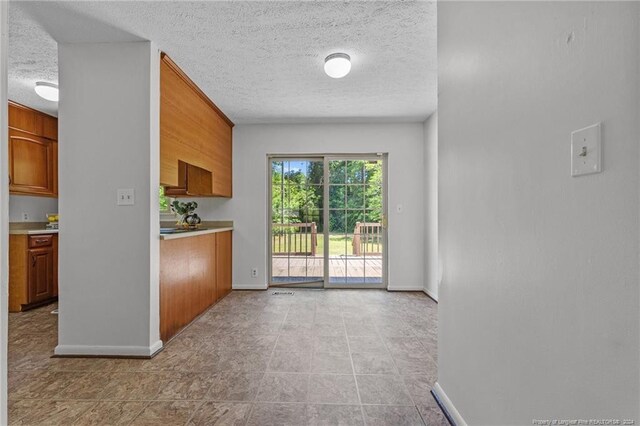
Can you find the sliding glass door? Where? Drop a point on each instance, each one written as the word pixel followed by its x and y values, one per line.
pixel 327 221
pixel 356 231
pixel 297 194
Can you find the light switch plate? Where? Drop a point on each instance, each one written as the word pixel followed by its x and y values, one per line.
pixel 126 197
pixel 586 151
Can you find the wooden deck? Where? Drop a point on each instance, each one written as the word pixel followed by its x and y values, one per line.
pixel 353 267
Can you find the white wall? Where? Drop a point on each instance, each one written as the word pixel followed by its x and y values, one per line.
pixel 430 164
pixel 35 207
pixel 4 212
pixel 108 120
pixel 538 314
pixel 248 207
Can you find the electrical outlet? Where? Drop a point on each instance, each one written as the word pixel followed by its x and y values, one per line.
pixel 254 272
pixel 25 216
pixel 125 197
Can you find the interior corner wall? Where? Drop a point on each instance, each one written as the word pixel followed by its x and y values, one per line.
pixel 538 314
pixel 431 264
pixel 404 142
pixel 108 140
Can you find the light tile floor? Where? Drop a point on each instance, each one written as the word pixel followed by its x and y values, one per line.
pixel 333 357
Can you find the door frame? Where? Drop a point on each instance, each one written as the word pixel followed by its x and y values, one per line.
pixel 326 158
pixel 4 211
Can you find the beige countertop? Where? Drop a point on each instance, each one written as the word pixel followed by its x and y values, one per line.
pixel 207 227
pixel 30 228
pixel 32 231
pixel 37 228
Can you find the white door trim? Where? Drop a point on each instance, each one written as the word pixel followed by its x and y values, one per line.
pixel 4 212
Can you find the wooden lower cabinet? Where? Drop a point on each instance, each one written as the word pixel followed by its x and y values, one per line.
pixel 195 272
pixel 223 263
pixel 33 271
pixel 40 274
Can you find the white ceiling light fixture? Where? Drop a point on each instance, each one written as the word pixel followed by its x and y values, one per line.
pixel 48 91
pixel 337 65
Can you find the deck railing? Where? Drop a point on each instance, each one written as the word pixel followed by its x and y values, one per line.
pixel 298 239
pixel 367 238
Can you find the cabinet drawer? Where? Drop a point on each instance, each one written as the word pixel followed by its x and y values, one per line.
pixel 40 241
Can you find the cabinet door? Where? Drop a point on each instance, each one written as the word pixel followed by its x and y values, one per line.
pixel 223 263
pixel 41 280
pixel 31 164
pixel 222 160
pixel 26 119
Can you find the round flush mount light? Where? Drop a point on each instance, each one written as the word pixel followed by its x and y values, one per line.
pixel 337 65
pixel 48 91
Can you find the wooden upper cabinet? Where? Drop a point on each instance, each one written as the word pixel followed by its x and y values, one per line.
pixel 33 152
pixel 193 131
pixel 50 127
pixel 193 181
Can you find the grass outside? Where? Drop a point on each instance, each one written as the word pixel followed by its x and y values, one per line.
pixel 339 244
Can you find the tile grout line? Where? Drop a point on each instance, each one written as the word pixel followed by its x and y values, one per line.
pixel 273 350
pixel 195 411
pixel 141 411
pixel 353 370
pixel 402 377
pixel 424 422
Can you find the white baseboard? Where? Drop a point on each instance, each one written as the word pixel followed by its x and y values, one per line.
pixel 249 287
pixel 448 406
pixel 87 350
pixel 405 288
pixel 264 287
pixel 430 294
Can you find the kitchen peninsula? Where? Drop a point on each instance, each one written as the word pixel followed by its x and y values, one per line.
pixel 195 160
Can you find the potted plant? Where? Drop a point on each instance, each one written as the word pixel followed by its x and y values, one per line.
pixel 186 213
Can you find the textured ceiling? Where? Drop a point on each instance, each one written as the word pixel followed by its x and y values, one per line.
pixel 259 61
pixel 33 56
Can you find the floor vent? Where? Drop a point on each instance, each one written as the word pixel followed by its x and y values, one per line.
pixel 283 293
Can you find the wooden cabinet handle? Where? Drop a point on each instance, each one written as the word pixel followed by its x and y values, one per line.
pixel 33 261
pixel 41 241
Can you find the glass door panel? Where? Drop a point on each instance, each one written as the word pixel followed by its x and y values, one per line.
pixel 355 222
pixel 297 218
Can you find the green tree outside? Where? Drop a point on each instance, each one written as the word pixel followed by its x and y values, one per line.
pixel 355 195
